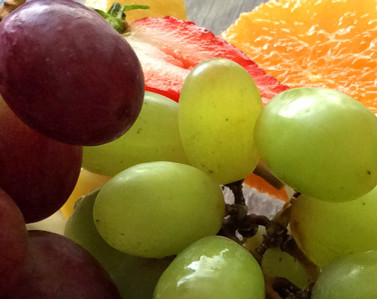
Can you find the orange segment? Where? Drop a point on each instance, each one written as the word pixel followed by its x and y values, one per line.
pixel 158 8
pixel 318 43
pixel 86 183
pixel 258 183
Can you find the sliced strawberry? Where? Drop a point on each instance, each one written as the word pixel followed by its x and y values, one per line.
pixel 169 48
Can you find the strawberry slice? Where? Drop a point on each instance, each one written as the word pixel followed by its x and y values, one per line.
pixel 168 48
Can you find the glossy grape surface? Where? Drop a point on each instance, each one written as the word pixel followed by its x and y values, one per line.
pixel 59 268
pixel 135 277
pixel 277 263
pixel 13 240
pixel 218 107
pixel 213 267
pixel 351 277
pixel 320 142
pixel 68 74
pixel 327 231
pixel 157 209
pixel 153 137
pixel 38 172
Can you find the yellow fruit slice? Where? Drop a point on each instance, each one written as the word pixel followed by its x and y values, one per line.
pixel 86 183
pixel 158 8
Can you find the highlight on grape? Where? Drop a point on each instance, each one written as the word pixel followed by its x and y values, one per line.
pixel 164 226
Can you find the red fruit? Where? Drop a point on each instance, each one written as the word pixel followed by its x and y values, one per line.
pixel 38 172
pixel 13 242
pixel 58 268
pixel 168 48
pixel 66 73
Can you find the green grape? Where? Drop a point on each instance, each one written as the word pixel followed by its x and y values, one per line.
pixel 277 263
pixel 327 231
pixel 157 209
pixel 351 277
pixel 135 277
pixel 153 137
pixel 213 267
pixel 253 242
pixel 218 107
pixel 320 142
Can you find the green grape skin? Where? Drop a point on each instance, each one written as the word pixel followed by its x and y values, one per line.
pixel 320 142
pixel 212 267
pixel 327 231
pixel 135 277
pixel 156 209
pixel 351 277
pixel 153 137
pixel 277 263
pixel 253 242
pixel 218 108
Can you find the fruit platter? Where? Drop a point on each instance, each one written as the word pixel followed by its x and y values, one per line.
pixel 168 149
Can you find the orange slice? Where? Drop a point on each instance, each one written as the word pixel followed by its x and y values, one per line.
pixel 262 186
pixel 318 43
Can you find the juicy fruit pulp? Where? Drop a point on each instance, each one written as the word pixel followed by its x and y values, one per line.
pixel 157 209
pixel 207 268
pixel 153 137
pixel 320 142
pixel 230 261
pixel 38 172
pixel 169 48
pixel 84 82
pixel 218 108
pixel 314 43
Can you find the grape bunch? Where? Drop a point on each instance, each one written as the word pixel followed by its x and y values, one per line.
pixel 161 227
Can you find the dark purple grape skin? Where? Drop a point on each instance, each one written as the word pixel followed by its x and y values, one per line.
pixel 38 172
pixel 66 73
pixel 13 242
pixel 58 268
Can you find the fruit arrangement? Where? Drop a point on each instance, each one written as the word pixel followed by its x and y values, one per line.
pixel 148 135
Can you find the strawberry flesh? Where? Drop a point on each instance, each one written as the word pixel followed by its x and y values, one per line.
pixel 169 48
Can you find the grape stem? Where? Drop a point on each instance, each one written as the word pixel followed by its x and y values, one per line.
pixel 238 225
pixel 262 171
pixel 288 290
pixel 116 15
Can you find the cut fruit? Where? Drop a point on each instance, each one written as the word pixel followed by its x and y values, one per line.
pixel 314 43
pixel 262 186
pixel 168 48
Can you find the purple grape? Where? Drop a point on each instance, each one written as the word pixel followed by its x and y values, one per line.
pixel 38 172
pixel 59 268
pixel 13 240
pixel 66 73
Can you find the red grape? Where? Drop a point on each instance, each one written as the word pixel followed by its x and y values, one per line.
pixel 13 240
pixel 67 73
pixel 38 172
pixel 59 268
